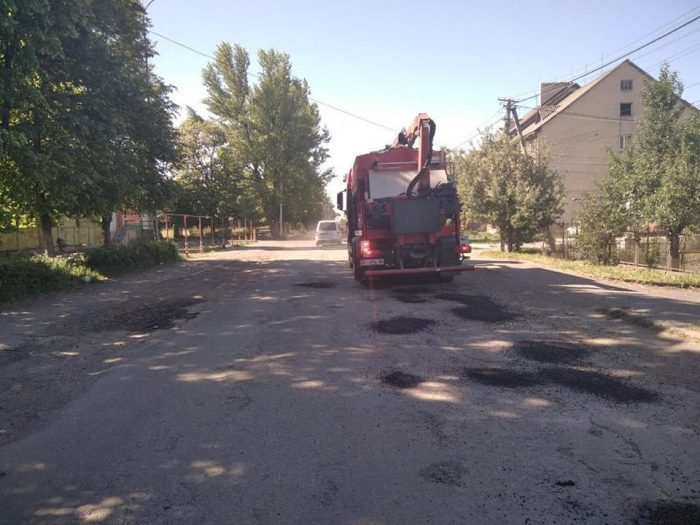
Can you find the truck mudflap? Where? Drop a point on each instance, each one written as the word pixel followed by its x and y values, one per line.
pixel 370 274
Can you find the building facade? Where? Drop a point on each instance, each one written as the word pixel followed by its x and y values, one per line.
pixel 578 126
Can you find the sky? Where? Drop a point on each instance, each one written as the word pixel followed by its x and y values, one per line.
pixel 387 61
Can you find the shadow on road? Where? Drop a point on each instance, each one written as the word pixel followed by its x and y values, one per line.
pixel 303 365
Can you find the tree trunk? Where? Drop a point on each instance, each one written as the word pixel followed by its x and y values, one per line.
pixel 510 239
pixel 274 227
pixel 502 237
pixel 674 250
pixel 105 223
pixel 46 234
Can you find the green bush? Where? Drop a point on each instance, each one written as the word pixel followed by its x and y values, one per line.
pixel 116 260
pixel 22 277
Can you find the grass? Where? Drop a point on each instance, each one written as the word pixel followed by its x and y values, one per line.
pixel 120 259
pixel 633 319
pixel 22 277
pixel 629 274
pixel 688 331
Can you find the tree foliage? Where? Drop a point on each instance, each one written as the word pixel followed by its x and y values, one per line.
pixel 207 173
pixel 274 130
pixel 657 178
pixel 501 185
pixel 84 124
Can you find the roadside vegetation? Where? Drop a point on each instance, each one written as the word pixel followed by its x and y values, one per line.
pixel 26 276
pixel 87 127
pixel 623 273
pixel 655 181
pixel 502 185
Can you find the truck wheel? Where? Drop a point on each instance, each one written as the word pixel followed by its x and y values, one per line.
pixel 358 271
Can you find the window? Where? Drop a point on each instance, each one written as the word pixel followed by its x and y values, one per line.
pixel 327 226
pixel 624 140
pixel 626 109
pixel 626 85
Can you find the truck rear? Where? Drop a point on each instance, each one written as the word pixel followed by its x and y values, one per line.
pixel 403 210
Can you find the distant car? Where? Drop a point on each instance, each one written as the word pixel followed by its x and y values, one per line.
pixel 465 247
pixel 328 232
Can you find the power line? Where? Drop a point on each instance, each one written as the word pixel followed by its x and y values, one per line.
pixel 255 75
pixel 478 128
pixel 639 48
pixel 584 69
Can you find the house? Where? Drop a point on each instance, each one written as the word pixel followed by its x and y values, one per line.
pixel 126 228
pixel 579 125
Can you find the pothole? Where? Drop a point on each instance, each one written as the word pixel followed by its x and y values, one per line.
pixel 478 308
pixel 402 325
pixel 446 472
pixel 399 379
pixel 598 384
pixel 148 318
pixel 551 351
pixel 501 377
pixel 492 315
pixel 318 284
pixel 672 513
pixel 586 381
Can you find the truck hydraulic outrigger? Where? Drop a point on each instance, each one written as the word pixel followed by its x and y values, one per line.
pixel 403 210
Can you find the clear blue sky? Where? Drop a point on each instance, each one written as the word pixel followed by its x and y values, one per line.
pixel 388 60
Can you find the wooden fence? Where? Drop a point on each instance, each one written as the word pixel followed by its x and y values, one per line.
pixel 72 235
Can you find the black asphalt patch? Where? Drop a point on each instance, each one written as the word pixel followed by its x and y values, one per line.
pixel 598 384
pixel 410 299
pixel 402 325
pixel 399 379
pixel 552 351
pixel 671 513
pixel 318 284
pixel 501 377
pixel 446 472
pixel 566 483
pixel 586 381
pixel 478 308
pixel 148 318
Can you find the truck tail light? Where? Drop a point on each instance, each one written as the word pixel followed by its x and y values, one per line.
pixel 365 248
pixel 464 248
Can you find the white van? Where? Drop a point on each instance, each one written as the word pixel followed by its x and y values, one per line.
pixel 328 232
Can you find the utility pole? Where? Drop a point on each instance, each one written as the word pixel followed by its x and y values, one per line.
pixel 511 109
pixel 508 104
pixel 281 211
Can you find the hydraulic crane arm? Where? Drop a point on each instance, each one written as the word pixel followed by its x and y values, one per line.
pixel 422 129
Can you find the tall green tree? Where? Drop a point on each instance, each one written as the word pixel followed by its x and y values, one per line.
pixel 206 171
pixel 273 128
pixel 657 178
pixel 85 126
pixel 509 189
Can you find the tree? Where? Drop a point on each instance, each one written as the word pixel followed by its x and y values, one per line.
pixel 84 126
pixel 273 129
pixel 206 171
pixel 505 187
pixel 657 178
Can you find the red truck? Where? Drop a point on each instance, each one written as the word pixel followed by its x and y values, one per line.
pixel 403 210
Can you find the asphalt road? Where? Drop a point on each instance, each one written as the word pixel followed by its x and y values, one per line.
pixel 265 386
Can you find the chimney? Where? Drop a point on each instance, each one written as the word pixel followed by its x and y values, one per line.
pixel 549 89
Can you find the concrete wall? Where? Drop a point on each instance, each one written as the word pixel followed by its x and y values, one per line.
pixel 87 233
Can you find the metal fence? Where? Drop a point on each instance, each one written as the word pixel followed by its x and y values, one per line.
pixel 652 251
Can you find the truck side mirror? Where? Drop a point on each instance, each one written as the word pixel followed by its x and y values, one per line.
pixel 340 200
